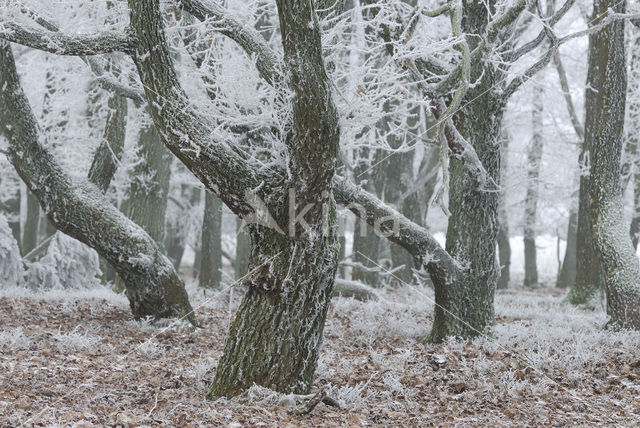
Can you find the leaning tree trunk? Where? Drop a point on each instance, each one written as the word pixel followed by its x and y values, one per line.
pixel 79 210
pixel 534 156
pixel 211 253
pixel 604 132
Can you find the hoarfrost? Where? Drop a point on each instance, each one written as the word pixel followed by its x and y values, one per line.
pixel 11 270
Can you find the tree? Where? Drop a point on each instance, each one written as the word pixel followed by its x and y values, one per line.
pixel 604 134
pixel 534 157
pixel 79 210
pixel 211 259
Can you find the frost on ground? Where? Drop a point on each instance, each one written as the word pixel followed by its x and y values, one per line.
pixel 80 358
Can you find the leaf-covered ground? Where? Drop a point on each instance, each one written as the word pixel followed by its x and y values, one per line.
pixel 78 359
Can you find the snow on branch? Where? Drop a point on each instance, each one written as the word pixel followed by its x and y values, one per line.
pixel 245 36
pixel 409 235
pixel 66 44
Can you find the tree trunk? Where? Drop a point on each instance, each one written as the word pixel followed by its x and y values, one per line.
pixel 604 132
pixel 30 230
pixel 588 270
pixel 211 257
pixel 10 207
pixel 464 307
pixel 504 246
pixel 276 336
pixel 567 276
pixel 79 210
pixel 243 244
pixel 534 156
pixel 365 254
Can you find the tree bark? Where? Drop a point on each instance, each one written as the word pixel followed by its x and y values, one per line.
pixel 604 132
pixel 275 338
pixel 534 157
pixel 211 257
pixel 79 210
pixel 464 307
pixel 10 207
pixel 588 270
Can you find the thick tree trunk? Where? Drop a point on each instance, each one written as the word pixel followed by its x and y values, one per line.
pixel 464 307
pixel 534 157
pixel 604 132
pixel 79 210
pixel 275 338
pixel 588 270
pixel 211 240
pixel 504 246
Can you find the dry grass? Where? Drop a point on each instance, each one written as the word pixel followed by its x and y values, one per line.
pixel 79 360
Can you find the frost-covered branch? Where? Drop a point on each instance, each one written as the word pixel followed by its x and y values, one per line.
pixel 102 78
pixel 246 37
pixel 66 44
pixel 564 84
pixel 414 238
pixel 78 209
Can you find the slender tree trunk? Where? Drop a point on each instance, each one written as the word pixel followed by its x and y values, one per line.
pixel 10 207
pixel 604 131
pixel 211 258
pixel 30 230
pixel 534 158
pixel 504 246
pixel 567 276
pixel 78 209
pixel 243 244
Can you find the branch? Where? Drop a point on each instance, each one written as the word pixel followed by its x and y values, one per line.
pixel 63 44
pixel 105 81
pixel 246 37
pixel 185 131
pixel 399 229
pixel 553 20
pixel 564 84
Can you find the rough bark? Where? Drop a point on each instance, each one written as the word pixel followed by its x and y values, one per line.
pixel 534 157
pixel 10 206
pixel 588 271
pixel 211 256
pixel 78 209
pixel 605 124
pixel 275 338
pixel 464 307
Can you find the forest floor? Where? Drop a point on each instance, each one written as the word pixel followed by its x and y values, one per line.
pixel 78 359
